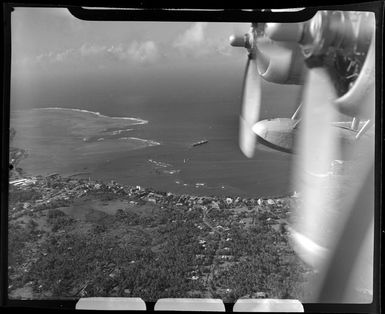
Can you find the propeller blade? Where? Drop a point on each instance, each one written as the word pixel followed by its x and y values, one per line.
pixel 318 140
pixel 348 275
pixel 318 146
pixel 325 223
pixel 251 103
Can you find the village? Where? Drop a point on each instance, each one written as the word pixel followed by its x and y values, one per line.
pixel 222 236
pixel 53 189
pixel 72 236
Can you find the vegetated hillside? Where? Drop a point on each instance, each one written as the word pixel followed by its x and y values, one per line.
pixel 154 245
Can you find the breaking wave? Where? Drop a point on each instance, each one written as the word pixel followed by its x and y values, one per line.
pixel 98 114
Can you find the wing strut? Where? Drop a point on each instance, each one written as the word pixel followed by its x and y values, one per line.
pixel 364 128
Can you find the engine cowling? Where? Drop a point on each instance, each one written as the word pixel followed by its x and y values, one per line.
pixel 315 37
pixel 281 63
pixel 284 31
pixel 359 100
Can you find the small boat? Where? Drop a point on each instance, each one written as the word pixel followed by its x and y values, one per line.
pixel 200 143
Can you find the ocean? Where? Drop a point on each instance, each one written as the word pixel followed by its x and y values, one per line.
pixel 138 129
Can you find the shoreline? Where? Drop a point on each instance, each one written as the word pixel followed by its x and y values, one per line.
pixel 71 141
pixel 69 184
pixel 19 174
pixel 109 233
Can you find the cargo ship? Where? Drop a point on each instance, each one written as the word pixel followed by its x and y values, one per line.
pixel 200 143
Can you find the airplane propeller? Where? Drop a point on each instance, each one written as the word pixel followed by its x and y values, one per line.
pixel 324 226
pixel 346 44
pixel 324 223
pixel 252 96
pixel 318 145
pixel 251 106
pixel 277 62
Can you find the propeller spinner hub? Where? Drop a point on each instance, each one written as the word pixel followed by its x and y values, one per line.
pixel 244 41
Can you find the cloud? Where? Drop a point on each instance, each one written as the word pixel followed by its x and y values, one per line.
pixel 87 50
pixel 193 39
pixel 139 52
pixel 223 47
pixel 196 42
pixel 145 52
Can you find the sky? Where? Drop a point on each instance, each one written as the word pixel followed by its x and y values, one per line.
pixel 51 41
pixel 59 60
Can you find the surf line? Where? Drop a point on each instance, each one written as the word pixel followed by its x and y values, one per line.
pixel 98 114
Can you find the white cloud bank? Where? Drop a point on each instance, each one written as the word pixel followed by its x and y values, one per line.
pixel 138 52
pixel 192 38
pixel 146 52
pixel 196 42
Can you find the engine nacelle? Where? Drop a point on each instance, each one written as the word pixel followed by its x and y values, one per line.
pixel 326 29
pixel 284 31
pixel 359 100
pixel 284 65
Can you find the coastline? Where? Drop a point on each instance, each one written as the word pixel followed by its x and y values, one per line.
pixel 70 140
pixel 90 216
